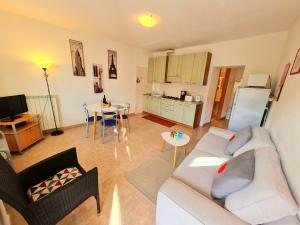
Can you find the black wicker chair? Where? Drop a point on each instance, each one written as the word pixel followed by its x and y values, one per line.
pixel 56 205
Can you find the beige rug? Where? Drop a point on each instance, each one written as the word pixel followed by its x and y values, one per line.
pixel 152 173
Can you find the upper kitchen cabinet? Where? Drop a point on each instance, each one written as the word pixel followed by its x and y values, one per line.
pixel 201 68
pixel 187 68
pixel 174 69
pixel 157 69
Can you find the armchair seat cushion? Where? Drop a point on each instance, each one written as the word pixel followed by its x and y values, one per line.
pixel 49 185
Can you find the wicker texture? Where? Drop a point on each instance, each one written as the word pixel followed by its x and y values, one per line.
pixel 55 206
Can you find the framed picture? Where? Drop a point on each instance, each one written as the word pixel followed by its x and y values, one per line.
pixel 97 75
pixel 112 64
pixel 296 65
pixel 76 48
pixel 281 82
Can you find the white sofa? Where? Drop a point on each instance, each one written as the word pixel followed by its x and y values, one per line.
pixel 185 199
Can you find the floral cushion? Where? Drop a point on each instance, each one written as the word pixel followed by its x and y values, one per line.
pixel 49 185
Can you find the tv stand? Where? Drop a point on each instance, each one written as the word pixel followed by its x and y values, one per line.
pixel 22 132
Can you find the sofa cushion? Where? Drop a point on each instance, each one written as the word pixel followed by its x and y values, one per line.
pixel 198 171
pixel 238 140
pixel 267 198
pixel 49 185
pixel 212 144
pixel 260 139
pixel 237 174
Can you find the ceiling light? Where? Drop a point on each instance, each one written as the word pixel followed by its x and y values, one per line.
pixel 148 20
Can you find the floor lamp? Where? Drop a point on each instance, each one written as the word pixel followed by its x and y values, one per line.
pixel 57 131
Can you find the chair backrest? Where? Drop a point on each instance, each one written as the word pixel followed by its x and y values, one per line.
pixel 108 116
pixel 86 112
pixel 11 190
pixel 127 110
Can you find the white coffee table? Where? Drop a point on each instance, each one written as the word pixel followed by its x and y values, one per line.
pixel 176 143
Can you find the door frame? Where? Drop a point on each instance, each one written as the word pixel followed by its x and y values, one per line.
pixel 224 90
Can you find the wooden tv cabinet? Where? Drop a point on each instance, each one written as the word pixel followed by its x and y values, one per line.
pixel 23 136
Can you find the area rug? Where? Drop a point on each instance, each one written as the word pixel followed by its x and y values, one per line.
pixel 152 173
pixel 160 121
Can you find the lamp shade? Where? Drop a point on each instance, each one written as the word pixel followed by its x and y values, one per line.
pixel 43 62
pixel 148 20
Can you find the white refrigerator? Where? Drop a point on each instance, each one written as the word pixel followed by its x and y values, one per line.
pixel 248 107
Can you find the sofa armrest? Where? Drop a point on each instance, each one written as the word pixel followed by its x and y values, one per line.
pixel 48 167
pixel 179 204
pixel 223 133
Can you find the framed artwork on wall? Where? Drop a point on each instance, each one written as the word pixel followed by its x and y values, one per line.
pixel 77 58
pixel 112 64
pixel 98 75
pixel 281 82
pixel 296 65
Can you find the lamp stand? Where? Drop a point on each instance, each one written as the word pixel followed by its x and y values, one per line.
pixel 57 131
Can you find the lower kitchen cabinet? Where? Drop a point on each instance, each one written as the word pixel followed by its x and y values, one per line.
pixel 186 113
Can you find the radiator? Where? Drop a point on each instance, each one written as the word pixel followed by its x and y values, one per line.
pixel 41 105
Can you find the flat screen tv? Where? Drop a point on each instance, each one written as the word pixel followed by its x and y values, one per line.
pixel 12 106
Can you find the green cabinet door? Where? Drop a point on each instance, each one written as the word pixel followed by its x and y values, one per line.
pixel 199 68
pixel 174 67
pixel 178 111
pixel 160 69
pixel 189 110
pixel 156 106
pixel 151 69
pixel 186 68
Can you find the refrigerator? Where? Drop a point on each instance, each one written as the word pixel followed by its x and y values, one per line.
pixel 248 108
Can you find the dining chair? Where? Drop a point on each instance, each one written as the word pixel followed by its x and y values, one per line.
pixel 4 149
pixel 89 119
pixel 109 120
pixel 124 113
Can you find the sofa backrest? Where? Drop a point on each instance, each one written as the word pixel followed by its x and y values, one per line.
pixel 284 128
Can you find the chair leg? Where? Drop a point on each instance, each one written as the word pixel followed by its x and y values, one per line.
pixel 87 129
pixel 103 129
pixel 98 203
pixel 128 126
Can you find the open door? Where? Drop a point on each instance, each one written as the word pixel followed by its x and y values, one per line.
pixel 221 93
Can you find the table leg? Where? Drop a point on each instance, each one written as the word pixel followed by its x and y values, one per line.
pixel 163 145
pixel 185 150
pixel 95 125
pixel 174 157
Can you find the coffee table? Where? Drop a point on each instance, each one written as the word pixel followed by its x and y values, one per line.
pixel 176 143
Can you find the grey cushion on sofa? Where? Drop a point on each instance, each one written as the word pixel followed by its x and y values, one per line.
pixel 238 173
pixel 240 139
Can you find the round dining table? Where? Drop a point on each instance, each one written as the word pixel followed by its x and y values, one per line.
pixel 99 108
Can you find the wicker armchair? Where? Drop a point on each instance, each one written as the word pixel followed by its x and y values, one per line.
pixel 56 205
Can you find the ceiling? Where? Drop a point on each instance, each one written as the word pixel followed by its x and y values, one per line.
pixel 182 22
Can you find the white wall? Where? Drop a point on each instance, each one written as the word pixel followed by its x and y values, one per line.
pixel 259 54
pixel 22 38
pixel 283 120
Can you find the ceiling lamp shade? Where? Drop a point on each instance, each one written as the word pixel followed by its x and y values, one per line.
pixel 148 20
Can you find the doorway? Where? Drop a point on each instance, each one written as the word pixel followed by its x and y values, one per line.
pixel 219 112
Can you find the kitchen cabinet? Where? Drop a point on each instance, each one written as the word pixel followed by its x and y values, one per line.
pixel 174 67
pixel 189 68
pixel 200 69
pixel 186 69
pixel 157 69
pixel 186 113
pixel 178 108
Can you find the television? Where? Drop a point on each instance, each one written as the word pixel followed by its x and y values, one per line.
pixel 12 106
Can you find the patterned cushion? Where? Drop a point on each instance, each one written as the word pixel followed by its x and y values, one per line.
pixel 49 185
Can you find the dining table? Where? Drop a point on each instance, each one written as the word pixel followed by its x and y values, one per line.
pixel 118 107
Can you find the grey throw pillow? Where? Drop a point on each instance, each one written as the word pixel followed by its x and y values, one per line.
pixel 238 140
pixel 235 174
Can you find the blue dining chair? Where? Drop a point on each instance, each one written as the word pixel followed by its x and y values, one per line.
pixel 109 120
pixel 89 119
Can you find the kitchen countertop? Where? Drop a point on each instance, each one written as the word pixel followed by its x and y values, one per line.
pixel 160 96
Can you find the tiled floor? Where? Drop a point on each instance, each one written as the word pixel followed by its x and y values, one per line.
pixel 121 203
